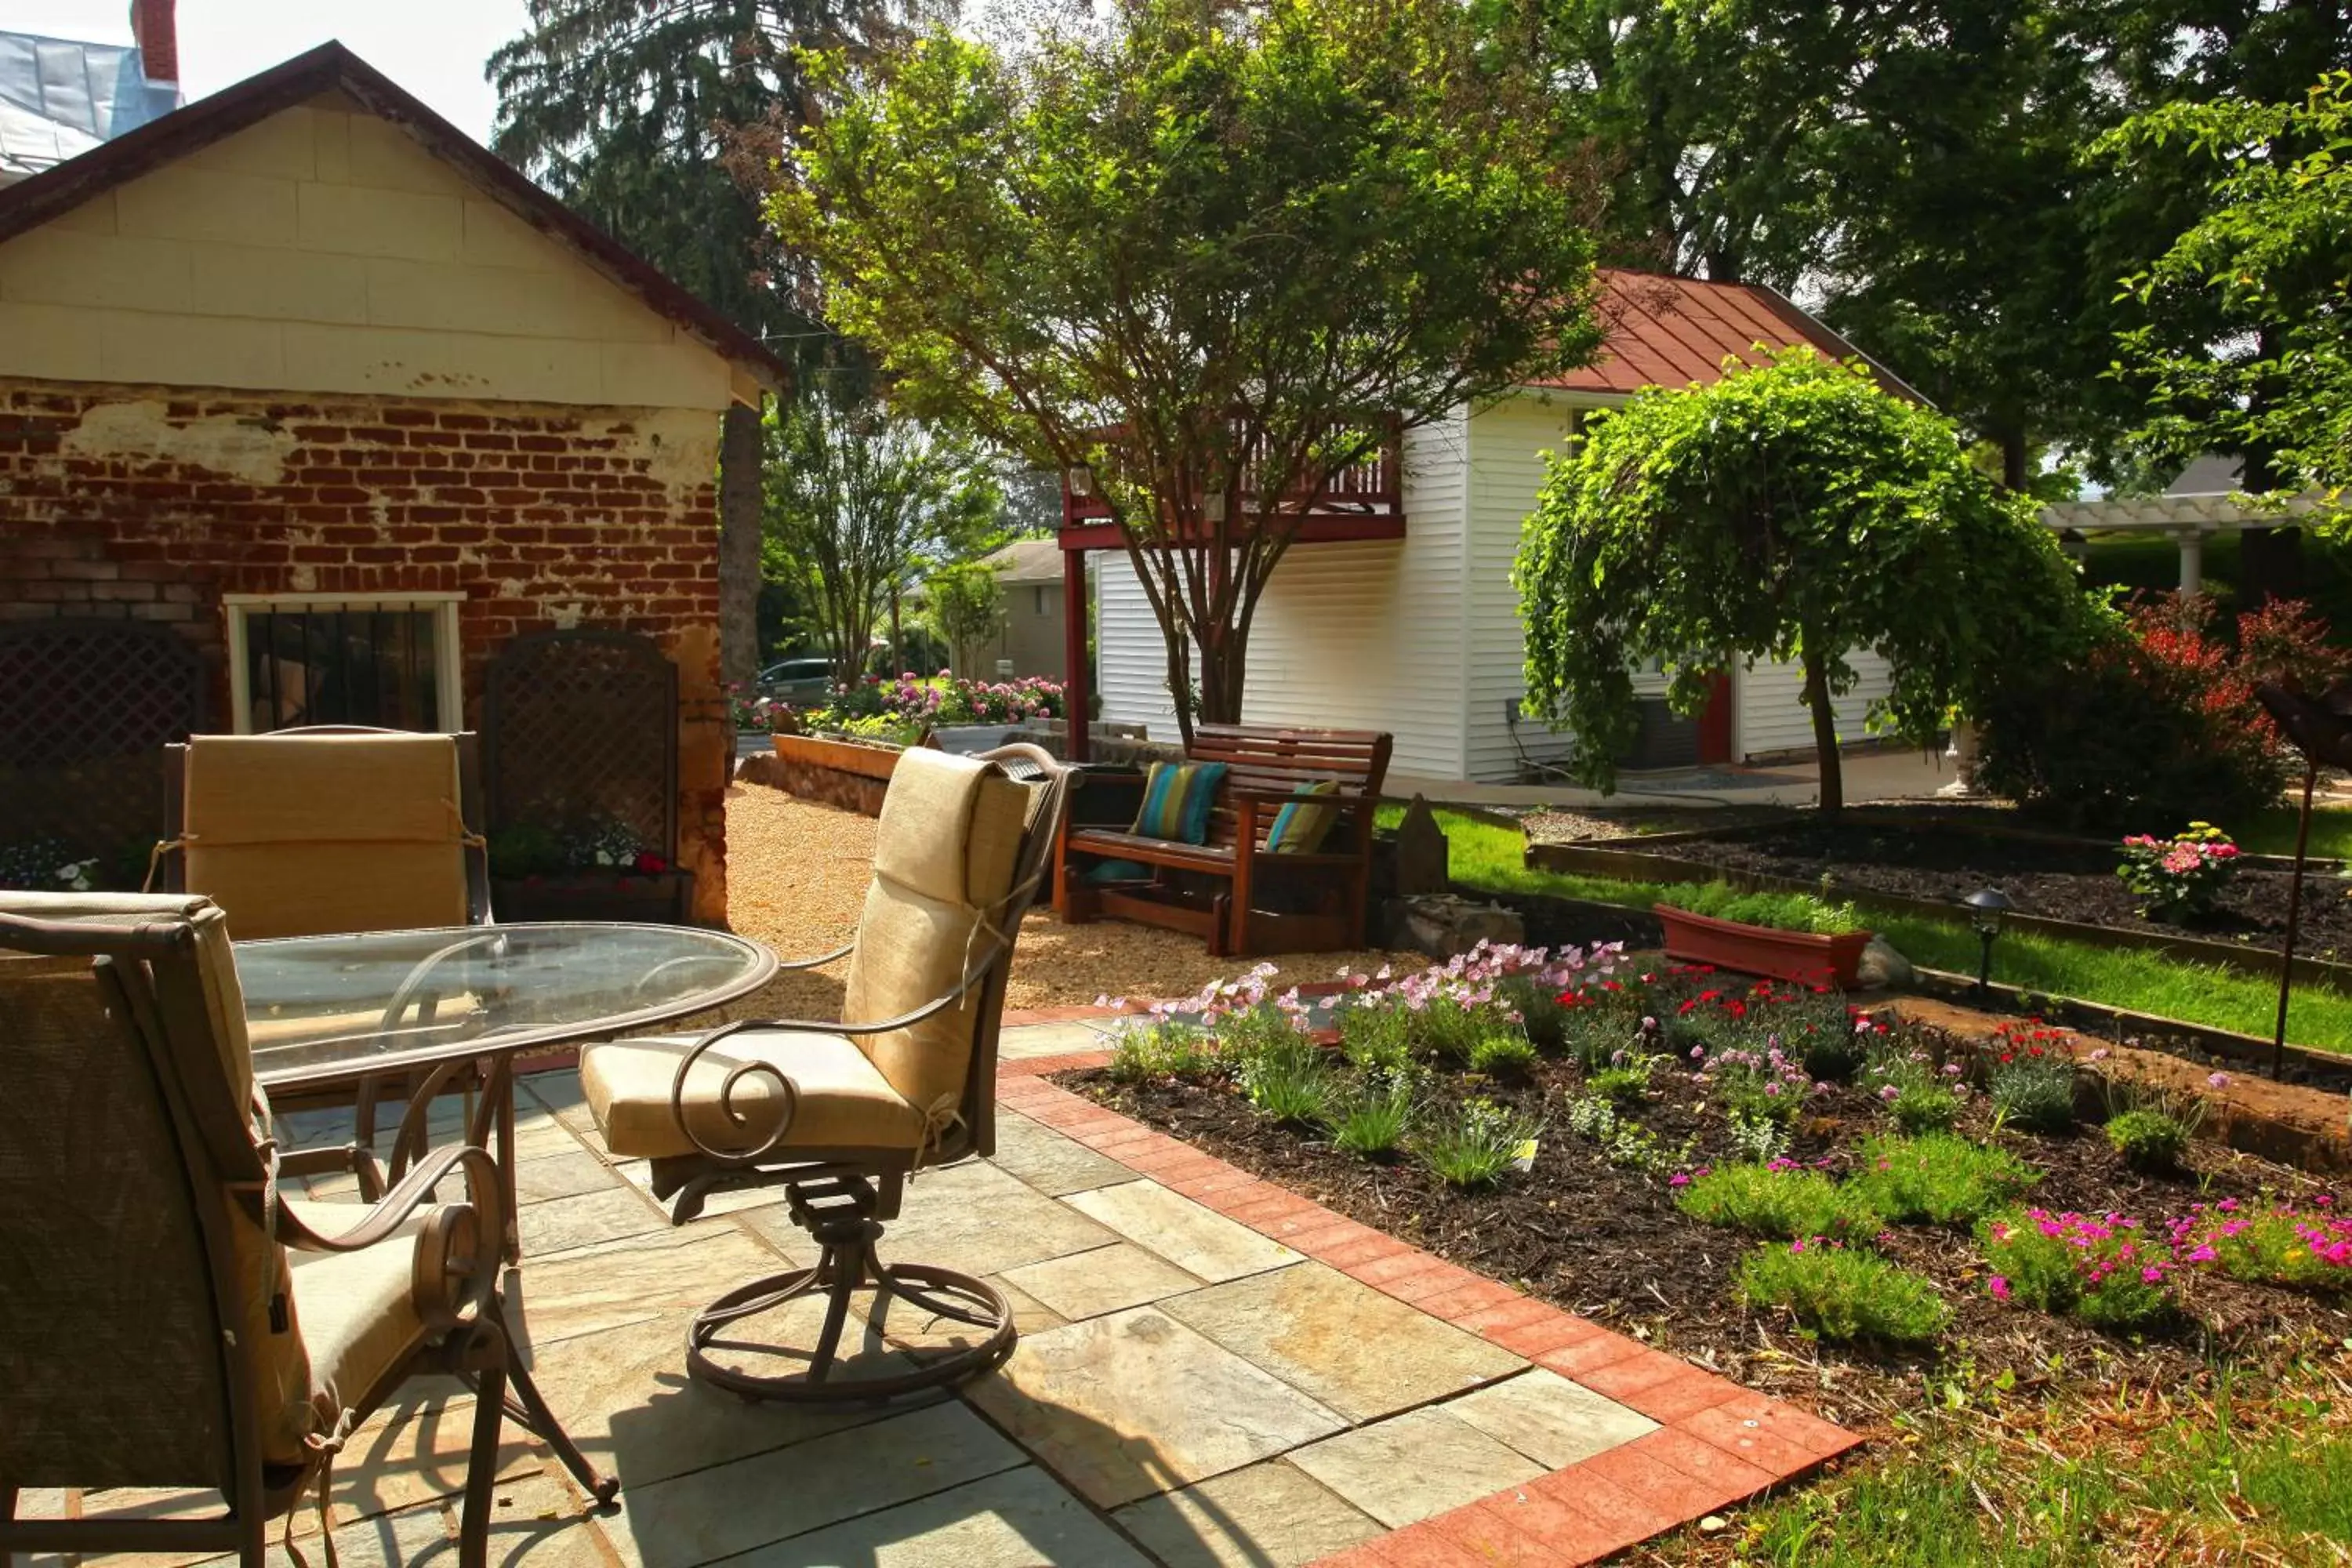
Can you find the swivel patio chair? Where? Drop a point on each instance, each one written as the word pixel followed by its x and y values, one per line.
pixel 153 1332
pixel 842 1114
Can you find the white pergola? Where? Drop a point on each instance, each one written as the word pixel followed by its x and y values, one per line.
pixel 2188 520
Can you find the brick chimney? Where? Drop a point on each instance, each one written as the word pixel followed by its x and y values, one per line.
pixel 157 32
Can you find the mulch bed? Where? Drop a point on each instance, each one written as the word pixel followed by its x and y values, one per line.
pixel 1609 1243
pixel 2055 880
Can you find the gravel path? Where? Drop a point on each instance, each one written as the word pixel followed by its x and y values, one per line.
pixel 796 875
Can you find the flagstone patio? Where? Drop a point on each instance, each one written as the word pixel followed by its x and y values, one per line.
pixel 1211 1371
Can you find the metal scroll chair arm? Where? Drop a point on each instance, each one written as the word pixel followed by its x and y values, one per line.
pixel 975 971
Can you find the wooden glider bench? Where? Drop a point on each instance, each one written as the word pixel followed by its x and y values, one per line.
pixel 1232 891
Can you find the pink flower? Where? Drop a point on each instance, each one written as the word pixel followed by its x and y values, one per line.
pixel 2152 1275
pixel 1999 1287
pixel 2218 1081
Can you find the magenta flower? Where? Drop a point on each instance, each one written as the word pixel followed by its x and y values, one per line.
pixel 1999 1287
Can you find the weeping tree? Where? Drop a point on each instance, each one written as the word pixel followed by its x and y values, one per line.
pixel 1791 511
pixel 859 504
pixel 647 117
pixel 1204 257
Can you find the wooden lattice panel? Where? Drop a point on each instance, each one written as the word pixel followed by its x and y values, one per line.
pixel 85 708
pixel 582 729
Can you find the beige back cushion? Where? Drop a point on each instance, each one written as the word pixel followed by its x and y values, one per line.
pixel 301 834
pixel 943 861
pixel 203 1016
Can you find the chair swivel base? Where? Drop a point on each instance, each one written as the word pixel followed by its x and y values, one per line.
pixel 838 1216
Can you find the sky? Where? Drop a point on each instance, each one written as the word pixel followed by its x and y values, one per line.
pixel 434 48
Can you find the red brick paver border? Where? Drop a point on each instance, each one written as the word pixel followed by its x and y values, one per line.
pixel 1716 1443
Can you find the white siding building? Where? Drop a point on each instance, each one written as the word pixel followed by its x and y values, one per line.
pixel 1420 636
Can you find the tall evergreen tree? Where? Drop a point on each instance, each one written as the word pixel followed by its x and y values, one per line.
pixel 647 117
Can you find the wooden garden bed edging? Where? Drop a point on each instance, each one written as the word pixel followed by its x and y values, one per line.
pixel 1904 816
pixel 1631 865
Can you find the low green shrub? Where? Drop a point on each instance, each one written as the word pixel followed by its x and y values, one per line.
pixel 1919 1091
pixel 1506 1054
pixel 2302 1249
pixel 1759 1140
pixel 1595 1031
pixel 1475 1146
pixel 1541 1012
pixel 2096 1267
pixel 1450 1030
pixel 1844 1293
pixel 2148 1139
pixel 1369 1120
pixel 2035 1092
pixel 1780 1200
pixel 1622 1087
pixel 1284 1079
pixel 1162 1048
pixel 1937 1178
pixel 1245 1035
pixel 1375 1038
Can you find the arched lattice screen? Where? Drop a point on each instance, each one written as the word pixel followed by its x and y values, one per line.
pixel 581 733
pixel 85 708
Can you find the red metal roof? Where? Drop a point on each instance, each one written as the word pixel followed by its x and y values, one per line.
pixel 1671 332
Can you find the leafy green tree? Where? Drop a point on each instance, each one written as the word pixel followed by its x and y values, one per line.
pixel 1203 253
pixel 859 502
pixel 648 117
pixel 2267 269
pixel 1789 511
pixel 965 605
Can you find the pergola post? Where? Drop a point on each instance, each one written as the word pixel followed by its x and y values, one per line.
pixel 2193 559
pixel 1078 691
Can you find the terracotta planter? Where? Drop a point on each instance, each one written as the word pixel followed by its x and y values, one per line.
pixel 1796 955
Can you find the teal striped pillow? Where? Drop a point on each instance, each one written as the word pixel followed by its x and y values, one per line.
pixel 1300 828
pixel 1177 797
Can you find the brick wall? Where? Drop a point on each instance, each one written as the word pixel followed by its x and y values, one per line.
pixel 151 503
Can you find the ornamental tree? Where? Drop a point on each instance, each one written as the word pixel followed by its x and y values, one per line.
pixel 1203 252
pixel 1794 510
pixel 2247 347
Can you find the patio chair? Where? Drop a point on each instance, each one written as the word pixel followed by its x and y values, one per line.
pixel 328 828
pixel 156 1334
pixel 842 1114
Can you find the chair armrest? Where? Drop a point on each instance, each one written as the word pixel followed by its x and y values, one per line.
pixel 457 1251
pixel 337 1160
pixel 822 959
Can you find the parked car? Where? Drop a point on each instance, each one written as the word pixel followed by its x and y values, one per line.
pixel 799 681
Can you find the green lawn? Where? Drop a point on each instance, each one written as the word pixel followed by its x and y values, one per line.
pixel 2018 1486
pixel 2273 833
pixel 1488 856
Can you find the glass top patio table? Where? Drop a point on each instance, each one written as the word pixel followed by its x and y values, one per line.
pixel 322 1008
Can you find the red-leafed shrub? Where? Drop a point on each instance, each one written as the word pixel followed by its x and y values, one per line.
pixel 2158 725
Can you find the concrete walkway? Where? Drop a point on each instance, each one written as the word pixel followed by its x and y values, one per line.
pixel 1211 1371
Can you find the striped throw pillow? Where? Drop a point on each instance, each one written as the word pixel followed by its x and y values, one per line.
pixel 1177 797
pixel 1300 828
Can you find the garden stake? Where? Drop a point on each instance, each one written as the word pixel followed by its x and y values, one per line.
pixel 2321 729
pixel 2293 908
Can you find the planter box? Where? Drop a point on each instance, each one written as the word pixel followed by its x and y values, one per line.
pixel 866 759
pixel 1760 950
pixel 666 898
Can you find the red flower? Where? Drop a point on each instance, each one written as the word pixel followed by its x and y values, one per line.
pixel 650 863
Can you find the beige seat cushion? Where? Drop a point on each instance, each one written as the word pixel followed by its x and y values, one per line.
pixel 356 1310
pixel 845 1102
pixel 299 834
